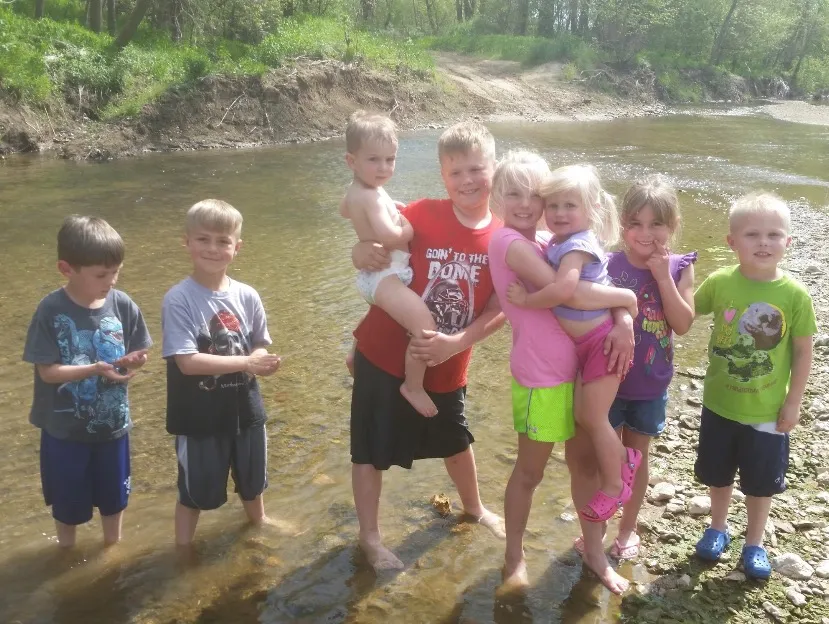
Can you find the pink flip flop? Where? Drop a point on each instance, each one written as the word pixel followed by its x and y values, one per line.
pixel 602 506
pixel 631 465
pixel 623 553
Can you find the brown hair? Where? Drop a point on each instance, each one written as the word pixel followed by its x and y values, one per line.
pixel 89 241
pixel 214 215
pixel 655 192
pixel 363 126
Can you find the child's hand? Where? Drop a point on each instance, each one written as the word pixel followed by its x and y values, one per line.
pixel 788 417
pixel 659 263
pixel 517 294
pixel 133 360
pixel 263 364
pixel 108 371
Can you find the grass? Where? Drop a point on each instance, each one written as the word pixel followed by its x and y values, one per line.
pixel 44 59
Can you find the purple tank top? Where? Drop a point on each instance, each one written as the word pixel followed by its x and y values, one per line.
pixel 595 271
pixel 653 354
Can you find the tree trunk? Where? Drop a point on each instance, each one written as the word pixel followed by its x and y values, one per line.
pixel 367 7
pixel 131 27
pixel 96 15
pixel 573 16
pixel 468 9
pixel 717 49
pixel 584 17
pixel 40 7
pixel 523 17
pixel 111 17
pixel 459 10
pixel 175 20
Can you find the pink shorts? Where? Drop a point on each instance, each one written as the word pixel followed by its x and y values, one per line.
pixel 590 352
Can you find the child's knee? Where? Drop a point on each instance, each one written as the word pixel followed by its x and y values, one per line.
pixel 529 478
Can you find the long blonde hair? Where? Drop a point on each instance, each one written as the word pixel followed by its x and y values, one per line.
pixel 520 168
pixel 599 204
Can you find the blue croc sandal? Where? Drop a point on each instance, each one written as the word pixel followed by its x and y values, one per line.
pixel 756 563
pixel 712 544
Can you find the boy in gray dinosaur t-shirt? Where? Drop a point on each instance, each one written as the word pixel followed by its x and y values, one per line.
pixel 86 341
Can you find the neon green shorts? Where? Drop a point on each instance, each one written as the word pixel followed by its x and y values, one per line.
pixel 544 414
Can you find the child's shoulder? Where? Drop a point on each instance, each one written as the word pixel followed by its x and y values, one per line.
pixel 794 284
pixel 120 298
pixel 55 299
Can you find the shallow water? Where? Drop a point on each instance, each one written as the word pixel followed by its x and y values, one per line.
pixel 295 253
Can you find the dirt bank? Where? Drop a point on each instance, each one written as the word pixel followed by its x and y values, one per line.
pixel 686 589
pixel 309 101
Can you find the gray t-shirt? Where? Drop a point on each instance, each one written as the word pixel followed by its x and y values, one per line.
pixel 195 319
pixel 94 409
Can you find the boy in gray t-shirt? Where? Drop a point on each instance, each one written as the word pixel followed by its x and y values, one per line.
pixel 215 334
pixel 86 341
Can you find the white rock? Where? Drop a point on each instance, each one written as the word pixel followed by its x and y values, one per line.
pixel 823 479
pixel 792 566
pixel 775 612
pixel 699 505
pixel 675 508
pixel 818 406
pixel 821 425
pixel 664 491
pixel 567 517
pixel 822 569
pixel 822 497
pixel 684 582
pixel 737 496
pixel 796 598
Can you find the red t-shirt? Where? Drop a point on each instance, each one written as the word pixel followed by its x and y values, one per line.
pixel 451 273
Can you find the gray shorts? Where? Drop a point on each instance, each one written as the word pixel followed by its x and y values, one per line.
pixel 204 463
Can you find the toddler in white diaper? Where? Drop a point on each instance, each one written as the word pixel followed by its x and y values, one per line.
pixel 371 150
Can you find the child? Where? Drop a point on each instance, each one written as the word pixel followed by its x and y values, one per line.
pixel 86 341
pixel 543 358
pixel 664 287
pixel 371 141
pixel 215 334
pixel 582 216
pixel 759 358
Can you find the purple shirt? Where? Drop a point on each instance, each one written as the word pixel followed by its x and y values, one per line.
pixel 595 271
pixel 653 354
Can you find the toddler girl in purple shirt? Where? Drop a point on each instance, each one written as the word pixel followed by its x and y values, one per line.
pixel 582 217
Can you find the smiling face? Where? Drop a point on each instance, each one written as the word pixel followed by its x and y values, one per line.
pixel 522 207
pixel 565 213
pixel 641 231
pixel 373 162
pixel 760 240
pixel 468 180
pixel 211 251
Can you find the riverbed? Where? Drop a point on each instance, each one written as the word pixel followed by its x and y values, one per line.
pixel 296 253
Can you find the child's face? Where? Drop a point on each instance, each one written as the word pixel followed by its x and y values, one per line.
pixel 759 240
pixel 522 207
pixel 373 163
pixel 211 251
pixel 90 282
pixel 642 231
pixel 467 177
pixel 565 214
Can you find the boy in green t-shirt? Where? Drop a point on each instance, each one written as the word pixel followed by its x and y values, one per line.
pixel 759 355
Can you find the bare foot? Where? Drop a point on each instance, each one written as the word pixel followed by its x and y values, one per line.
pixel 601 567
pixel 493 522
pixel 515 578
pixel 380 557
pixel 419 400
pixel 283 527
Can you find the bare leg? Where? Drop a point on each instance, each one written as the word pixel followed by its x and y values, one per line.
pixel 408 309
pixel 349 359
pixel 366 483
pixel 630 514
pixel 255 510
pixel 186 520
pixel 595 400
pixel 526 475
pixel 112 528
pixel 581 460
pixel 757 508
pixel 464 475
pixel 720 499
pixel 66 534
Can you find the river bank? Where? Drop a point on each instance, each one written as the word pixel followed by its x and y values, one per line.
pixel 797 536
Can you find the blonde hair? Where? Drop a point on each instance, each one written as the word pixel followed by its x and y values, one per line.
pixel 214 215
pixel 759 203
pixel 599 204
pixel 518 168
pixel 466 136
pixel 363 127
pixel 89 241
pixel 655 192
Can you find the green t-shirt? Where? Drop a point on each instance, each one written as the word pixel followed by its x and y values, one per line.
pixel 750 353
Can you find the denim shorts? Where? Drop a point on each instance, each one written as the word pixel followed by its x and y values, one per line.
pixel 645 417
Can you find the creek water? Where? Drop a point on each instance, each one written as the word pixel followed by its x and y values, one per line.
pixel 296 253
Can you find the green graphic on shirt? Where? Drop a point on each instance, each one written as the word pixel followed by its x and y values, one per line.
pixel 759 330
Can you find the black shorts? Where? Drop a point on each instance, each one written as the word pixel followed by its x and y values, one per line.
pixel 726 445
pixel 387 431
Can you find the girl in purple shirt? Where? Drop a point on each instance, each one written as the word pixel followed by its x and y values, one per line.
pixel 664 287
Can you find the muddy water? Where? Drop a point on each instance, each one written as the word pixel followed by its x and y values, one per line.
pixel 295 253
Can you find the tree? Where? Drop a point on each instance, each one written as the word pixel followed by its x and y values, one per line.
pixel 111 17
pixel 96 15
pixel 719 42
pixel 40 7
pixel 131 27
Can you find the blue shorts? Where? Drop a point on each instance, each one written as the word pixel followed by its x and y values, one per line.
pixel 645 417
pixel 727 445
pixel 77 476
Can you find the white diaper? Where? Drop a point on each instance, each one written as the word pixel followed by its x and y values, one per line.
pixel 367 281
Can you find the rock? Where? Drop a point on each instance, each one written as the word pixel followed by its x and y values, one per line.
pixel 737 496
pixel 675 508
pixel 684 582
pixel 822 340
pixel 694 372
pixel 689 422
pixel 662 492
pixel 669 446
pixel 817 406
pixel 699 505
pixel 822 569
pixel 775 612
pixel 796 598
pixel 735 575
pixel 670 537
pixel 792 566
pixel 441 504
pixel 823 479
pixel 784 527
pixel 821 425
pixel 807 525
pixel 694 401
pixel 567 517
pixel 322 479
pixel 813 269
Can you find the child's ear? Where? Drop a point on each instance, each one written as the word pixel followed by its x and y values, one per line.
pixel 65 268
pixel 349 160
pixel 237 247
pixel 730 240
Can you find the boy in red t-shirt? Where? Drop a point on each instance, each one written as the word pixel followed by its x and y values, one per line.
pixel 451 273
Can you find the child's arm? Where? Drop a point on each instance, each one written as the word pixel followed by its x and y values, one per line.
pixel 386 231
pixel 789 414
pixel 260 362
pixel 567 279
pixel 66 373
pixel 677 298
